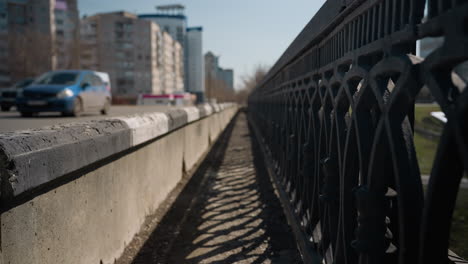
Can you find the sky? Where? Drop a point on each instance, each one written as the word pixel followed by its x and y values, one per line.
pixel 244 33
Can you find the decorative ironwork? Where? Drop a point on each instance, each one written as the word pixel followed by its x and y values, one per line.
pixel 336 116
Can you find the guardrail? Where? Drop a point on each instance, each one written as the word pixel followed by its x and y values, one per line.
pixel 336 116
pixel 79 192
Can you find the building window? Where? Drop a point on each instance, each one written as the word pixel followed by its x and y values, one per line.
pixel 17 14
pixel 120 55
pixel 127 46
pixel 118 26
pixel 180 35
pixel 128 26
pixel 119 35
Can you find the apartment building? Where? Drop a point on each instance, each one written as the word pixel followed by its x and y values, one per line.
pixel 195 69
pixel 37 36
pixel 215 72
pixel 67 34
pixel 172 65
pixel 171 19
pixel 179 63
pixel 138 56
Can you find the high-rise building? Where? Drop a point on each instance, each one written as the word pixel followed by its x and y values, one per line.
pixel 227 76
pixel 138 56
pixel 172 20
pixel 213 72
pixel 67 34
pixel 172 65
pixel 211 65
pixel 37 36
pixel 195 74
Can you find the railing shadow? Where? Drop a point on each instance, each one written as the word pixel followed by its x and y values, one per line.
pixel 235 215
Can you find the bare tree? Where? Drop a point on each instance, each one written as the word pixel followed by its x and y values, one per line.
pixel 250 82
pixel 219 90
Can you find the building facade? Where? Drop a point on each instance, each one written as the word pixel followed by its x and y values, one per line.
pixel 175 25
pixel 195 74
pixel 37 36
pixel 139 57
pixel 227 76
pixel 67 34
pixel 213 72
pixel 172 20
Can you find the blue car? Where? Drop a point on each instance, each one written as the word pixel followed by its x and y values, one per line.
pixel 70 92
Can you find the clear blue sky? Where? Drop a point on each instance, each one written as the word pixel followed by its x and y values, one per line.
pixel 244 33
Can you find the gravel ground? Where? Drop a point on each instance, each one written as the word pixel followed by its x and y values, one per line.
pixel 227 212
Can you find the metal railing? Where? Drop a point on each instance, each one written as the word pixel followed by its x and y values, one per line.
pixel 335 116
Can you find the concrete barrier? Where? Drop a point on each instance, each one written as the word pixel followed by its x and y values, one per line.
pixel 78 193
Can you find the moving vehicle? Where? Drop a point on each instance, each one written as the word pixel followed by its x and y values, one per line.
pixel 70 92
pixel 8 96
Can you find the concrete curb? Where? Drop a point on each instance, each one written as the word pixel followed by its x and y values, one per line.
pixel 193 113
pixel 145 127
pixel 32 158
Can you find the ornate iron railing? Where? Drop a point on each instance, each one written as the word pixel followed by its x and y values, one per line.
pixel 335 116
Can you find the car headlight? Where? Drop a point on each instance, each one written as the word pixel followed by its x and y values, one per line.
pixel 65 93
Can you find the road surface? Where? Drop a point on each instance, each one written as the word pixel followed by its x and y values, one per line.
pixel 12 121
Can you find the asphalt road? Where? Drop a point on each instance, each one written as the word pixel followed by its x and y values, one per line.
pixel 12 121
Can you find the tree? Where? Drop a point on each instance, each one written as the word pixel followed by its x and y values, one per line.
pixel 219 90
pixel 250 82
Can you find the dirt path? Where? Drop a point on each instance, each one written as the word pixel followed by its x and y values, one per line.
pixel 227 212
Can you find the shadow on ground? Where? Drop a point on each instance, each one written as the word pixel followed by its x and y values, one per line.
pixel 227 213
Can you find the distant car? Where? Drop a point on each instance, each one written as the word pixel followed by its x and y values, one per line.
pixel 8 96
pixel 70 92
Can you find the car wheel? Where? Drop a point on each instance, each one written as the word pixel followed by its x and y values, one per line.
pixel 27 114
pixel 5 108
pixel 77 107
pixel 106 107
